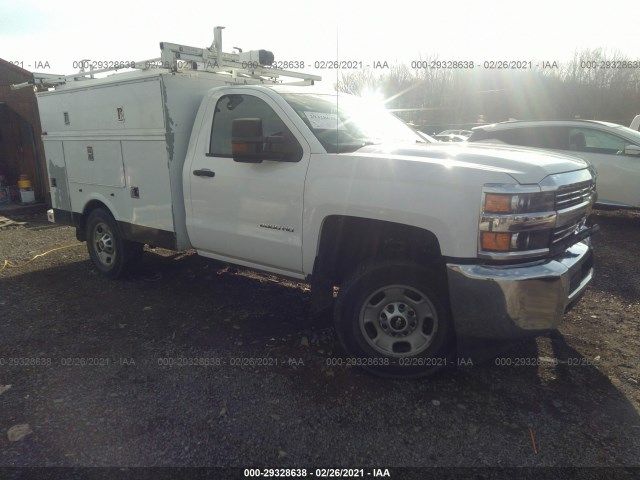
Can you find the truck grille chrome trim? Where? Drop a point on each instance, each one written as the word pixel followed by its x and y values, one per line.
pixel 575 194
pixel 574 205
pixel 563 232
pixel 566 231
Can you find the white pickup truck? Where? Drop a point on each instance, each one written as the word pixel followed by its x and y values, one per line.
pixel 434 247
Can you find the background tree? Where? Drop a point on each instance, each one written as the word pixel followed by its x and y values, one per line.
pixel 594 84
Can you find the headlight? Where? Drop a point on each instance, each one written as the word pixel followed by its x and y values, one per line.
pixel 516 221
pixel 514 242
pixel 518 202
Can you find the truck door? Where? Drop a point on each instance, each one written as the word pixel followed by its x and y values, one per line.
pixel 246 213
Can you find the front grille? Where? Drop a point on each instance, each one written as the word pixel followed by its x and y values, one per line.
pixel 575 194
pixel 567 197
pixel 566 231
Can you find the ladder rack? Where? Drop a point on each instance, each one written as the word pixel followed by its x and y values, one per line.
pixel 252 67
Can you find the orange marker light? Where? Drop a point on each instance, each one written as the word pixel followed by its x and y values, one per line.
pixel 497 242
pixel 497 203
pixel 240 148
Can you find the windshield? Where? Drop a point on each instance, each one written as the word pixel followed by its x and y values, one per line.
pixel 347 123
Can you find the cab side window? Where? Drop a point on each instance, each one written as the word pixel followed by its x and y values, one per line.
pixel 231 107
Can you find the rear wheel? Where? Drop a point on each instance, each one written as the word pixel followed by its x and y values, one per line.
pixel 111 254
pixel 393 318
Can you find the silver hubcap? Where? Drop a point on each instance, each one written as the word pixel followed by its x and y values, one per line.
pixel 398 321
pixel 103 244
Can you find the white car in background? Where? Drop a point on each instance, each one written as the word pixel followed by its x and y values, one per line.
pixel 450 137
pixel 464 133
pixel 612 149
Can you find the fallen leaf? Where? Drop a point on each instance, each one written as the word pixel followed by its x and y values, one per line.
pixel 18 432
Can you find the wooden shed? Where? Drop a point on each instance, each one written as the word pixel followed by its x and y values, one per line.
pixel 21 149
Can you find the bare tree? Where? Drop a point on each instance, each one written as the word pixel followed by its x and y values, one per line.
pixel 594 84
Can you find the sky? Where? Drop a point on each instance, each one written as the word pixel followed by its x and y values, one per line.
pixel 55 34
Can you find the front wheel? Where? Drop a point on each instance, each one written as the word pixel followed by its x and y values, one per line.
pixel 393 318
pixel 111 254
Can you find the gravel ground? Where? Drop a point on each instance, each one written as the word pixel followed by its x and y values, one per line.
pixel 106 390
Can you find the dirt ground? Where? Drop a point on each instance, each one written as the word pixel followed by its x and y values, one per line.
pixel 193 363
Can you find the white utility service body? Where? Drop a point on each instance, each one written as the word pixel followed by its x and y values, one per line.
pixel 429 243
pixel 137 152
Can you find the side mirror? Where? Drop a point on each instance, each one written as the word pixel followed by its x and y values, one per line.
pixel 248 145
pixel 247 140
pixel 633 150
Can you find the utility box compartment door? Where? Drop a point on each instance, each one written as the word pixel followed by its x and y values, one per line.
pixel 57 171
pixel 96 162
pixel 134 107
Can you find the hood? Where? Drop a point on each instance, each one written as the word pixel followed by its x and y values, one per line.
pixel 525 165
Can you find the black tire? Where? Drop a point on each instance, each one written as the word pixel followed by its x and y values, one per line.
pixel 110 253
pixel 382 306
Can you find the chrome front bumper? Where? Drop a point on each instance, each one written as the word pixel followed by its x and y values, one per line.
pixel 494 302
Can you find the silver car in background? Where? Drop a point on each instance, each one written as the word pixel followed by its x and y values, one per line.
pixel 613 150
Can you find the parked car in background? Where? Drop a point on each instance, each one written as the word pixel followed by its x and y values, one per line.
pixel 613 150
pixel 450 137
pixel 464 133
pixel 635 123
pixel 425 137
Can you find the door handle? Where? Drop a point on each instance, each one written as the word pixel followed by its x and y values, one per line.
pixel 204 173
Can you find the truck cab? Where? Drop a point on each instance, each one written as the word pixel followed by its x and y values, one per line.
pixel 368 202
